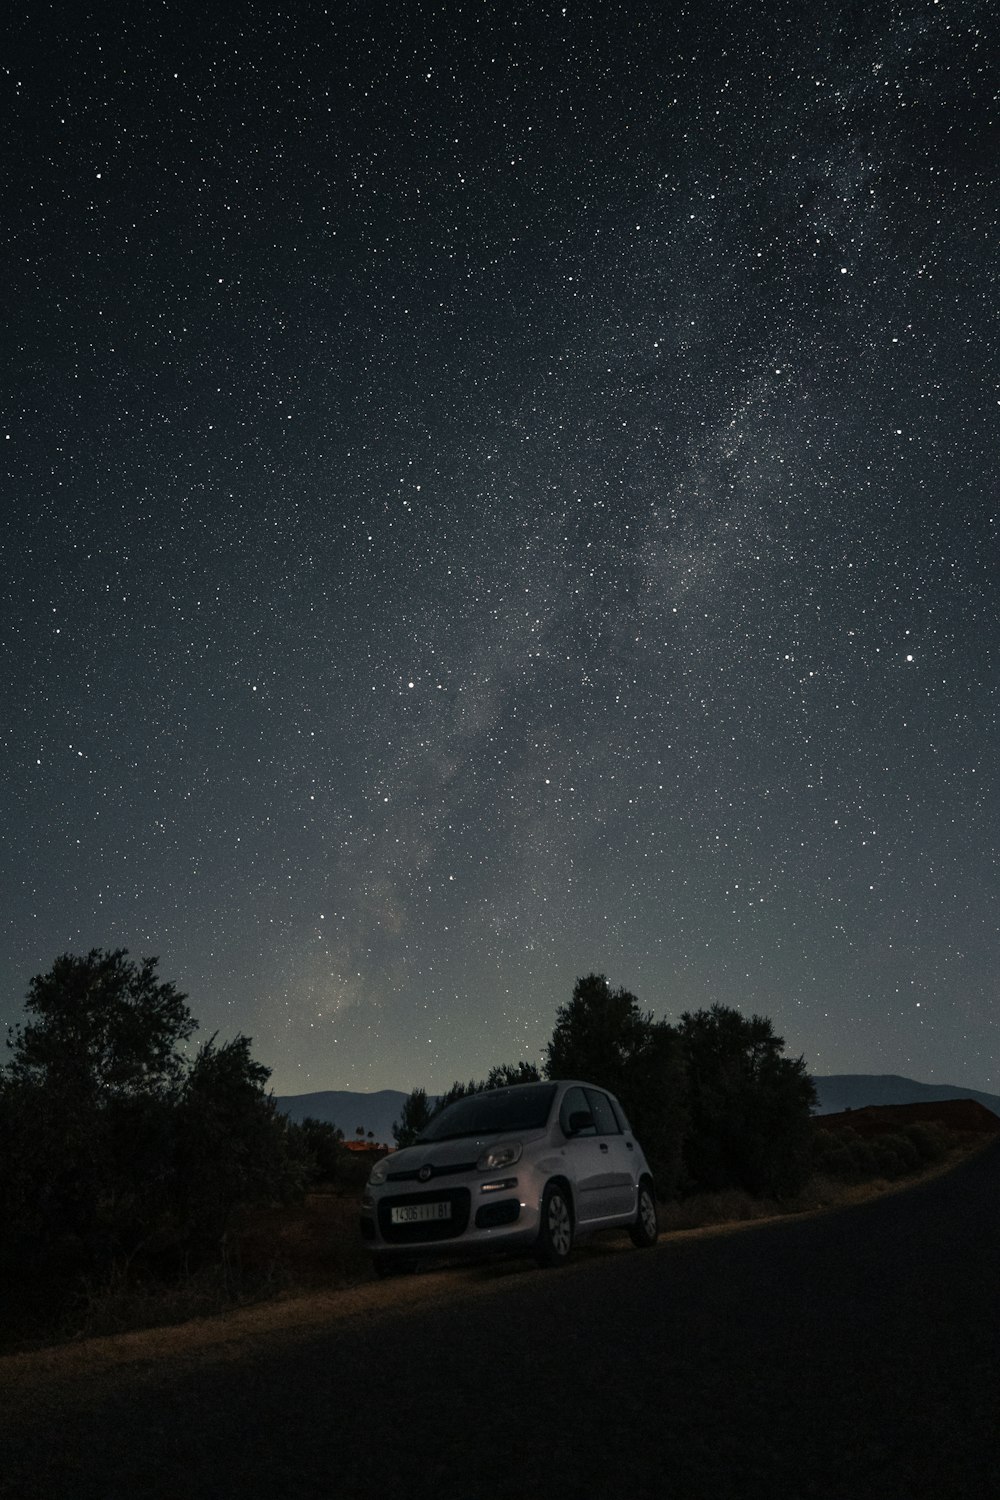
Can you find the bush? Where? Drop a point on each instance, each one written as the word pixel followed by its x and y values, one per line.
pixel 319 1146
pixel 850 1157
pixel 931 1141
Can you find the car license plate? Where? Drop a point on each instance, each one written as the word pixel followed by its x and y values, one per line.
pixel 419 1213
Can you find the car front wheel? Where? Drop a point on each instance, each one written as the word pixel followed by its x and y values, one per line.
pixel 645 1228
pixel 555 1232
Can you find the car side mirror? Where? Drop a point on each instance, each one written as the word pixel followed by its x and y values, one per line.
pixel 580 1120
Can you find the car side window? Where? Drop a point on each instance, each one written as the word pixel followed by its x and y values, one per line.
pixel 604 1115
pixel 575 1102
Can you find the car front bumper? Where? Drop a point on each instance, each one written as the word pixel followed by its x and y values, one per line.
pixel 459 1219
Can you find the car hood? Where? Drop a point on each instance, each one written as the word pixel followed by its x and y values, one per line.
pixel 467 1149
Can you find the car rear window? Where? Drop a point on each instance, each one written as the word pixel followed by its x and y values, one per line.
pixel 493 1112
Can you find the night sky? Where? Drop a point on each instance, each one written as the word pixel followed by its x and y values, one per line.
pixel 498 491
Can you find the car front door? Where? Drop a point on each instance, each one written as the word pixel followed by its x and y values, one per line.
pixel 588 1163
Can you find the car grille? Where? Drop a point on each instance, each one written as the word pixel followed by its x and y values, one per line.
pixel 428 1230
pixel 414 1175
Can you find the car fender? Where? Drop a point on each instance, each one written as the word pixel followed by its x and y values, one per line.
pixel 558 1173
pixel 554 1164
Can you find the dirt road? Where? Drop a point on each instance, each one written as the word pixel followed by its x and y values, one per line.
pixel 850 1355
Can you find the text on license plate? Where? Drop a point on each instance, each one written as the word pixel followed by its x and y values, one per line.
pixel 418 1213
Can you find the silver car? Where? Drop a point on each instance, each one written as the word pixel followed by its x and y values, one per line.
pixel 538 1166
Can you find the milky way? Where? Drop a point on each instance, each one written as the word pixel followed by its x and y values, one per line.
pixel 498 492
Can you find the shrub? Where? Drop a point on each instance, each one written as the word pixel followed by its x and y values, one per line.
pixel 318 1144
pixel 850 1157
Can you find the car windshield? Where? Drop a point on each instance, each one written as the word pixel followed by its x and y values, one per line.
pixel 493 1112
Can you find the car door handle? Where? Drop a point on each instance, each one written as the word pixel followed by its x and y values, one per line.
pixel 603 1146
pixel 630 1145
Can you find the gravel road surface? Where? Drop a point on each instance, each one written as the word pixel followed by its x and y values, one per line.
pixel 853 1354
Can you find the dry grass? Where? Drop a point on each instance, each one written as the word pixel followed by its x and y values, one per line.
pixel 701 1210
pixel 270 1253
pixel 733 1206
pixel 316 1243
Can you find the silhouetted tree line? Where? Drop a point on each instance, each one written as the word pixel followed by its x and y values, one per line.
pixel 714 1100
pixel 116 1146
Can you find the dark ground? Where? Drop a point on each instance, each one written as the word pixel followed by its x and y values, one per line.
pixel 853 1355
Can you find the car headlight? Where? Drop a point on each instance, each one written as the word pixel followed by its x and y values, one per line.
pixel 378 1174
pixel 499 1156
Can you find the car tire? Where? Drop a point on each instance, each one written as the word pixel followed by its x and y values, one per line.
pixel 555 1229
pixel 644 1229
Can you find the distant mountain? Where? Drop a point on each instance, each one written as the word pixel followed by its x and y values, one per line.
pixel 839 1091
pixel 376 1112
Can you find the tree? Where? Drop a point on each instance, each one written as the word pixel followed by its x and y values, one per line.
pixel 602 1037
pixel 508 1074
pixel 750 1105
pixel 231 1142
pixel 597 1035
pixel 415 1115
pixel 103 1027
pixel 654 1095
pixel 110 1137
pixel 87 1094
